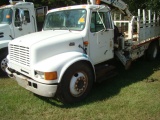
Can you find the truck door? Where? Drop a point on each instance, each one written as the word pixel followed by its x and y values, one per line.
pixel 23 28
pixel 101 37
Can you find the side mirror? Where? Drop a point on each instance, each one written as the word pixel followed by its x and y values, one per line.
pixel 21 15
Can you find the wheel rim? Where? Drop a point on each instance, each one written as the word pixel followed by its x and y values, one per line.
pixel 155 52
pixel 78 84
pixel 4 64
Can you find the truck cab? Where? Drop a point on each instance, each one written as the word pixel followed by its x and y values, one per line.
pixel 16 19
pixel 13 22
pixel 92 27
pixel 73 36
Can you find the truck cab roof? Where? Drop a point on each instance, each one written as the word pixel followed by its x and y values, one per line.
pixel 86 6
pixel 16 5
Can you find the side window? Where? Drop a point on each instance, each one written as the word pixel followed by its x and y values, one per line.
pixel 108 21
pixel 17 18
pixel 17 22
pixel 99 20
pixel 93 23
pixel 27 16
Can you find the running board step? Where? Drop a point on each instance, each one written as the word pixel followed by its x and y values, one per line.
pixel 105 72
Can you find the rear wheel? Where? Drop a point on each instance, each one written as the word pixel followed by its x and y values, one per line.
pixel 76 83
pixel 152 51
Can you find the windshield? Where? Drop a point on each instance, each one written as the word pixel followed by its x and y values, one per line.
pixel 66 20
pixel 5 16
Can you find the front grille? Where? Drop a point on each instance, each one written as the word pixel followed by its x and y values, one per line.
pixel 20 54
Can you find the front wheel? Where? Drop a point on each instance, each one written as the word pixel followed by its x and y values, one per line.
pixel 3 63
pixel 76 83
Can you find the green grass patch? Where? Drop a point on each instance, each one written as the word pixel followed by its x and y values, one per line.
pixel 132 95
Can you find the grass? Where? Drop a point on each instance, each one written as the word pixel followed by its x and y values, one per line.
pixel 132 95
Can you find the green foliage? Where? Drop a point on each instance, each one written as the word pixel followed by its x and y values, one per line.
pixel 3 2
pixel 133 4
pixel 56 3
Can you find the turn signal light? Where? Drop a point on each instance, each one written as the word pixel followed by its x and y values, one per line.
pixel 85 43
pixel 50 75
pixel 98 2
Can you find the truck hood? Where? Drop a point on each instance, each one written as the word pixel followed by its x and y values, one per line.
pixel 45 44
pixel 33 38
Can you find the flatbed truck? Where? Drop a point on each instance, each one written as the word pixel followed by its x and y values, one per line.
pixel 65 58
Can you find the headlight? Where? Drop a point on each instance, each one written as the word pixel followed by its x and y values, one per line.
pixel 39 74
pixel 46 75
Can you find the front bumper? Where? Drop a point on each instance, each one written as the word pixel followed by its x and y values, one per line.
pixel 41 89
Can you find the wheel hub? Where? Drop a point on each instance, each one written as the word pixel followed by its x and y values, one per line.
pixel 80 84
pixel 4 64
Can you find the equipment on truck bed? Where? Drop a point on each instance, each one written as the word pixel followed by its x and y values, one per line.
pixel 119 4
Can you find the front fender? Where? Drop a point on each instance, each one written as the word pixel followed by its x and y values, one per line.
pixel 61 62
pixel 4 43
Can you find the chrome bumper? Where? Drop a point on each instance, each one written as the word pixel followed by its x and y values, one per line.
pixel 41 89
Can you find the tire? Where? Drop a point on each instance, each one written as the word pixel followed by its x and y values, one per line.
pixel 3 62
pixel 76 83
pixel 152 51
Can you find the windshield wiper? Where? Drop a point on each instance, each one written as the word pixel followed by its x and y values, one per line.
pixel 61 27
pixel 65 27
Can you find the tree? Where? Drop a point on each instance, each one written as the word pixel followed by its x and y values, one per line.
pixel 56 3
pixel 4 2
pixel 133 4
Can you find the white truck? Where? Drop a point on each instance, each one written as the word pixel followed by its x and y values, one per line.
pixel 67 56
pixel 16 19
